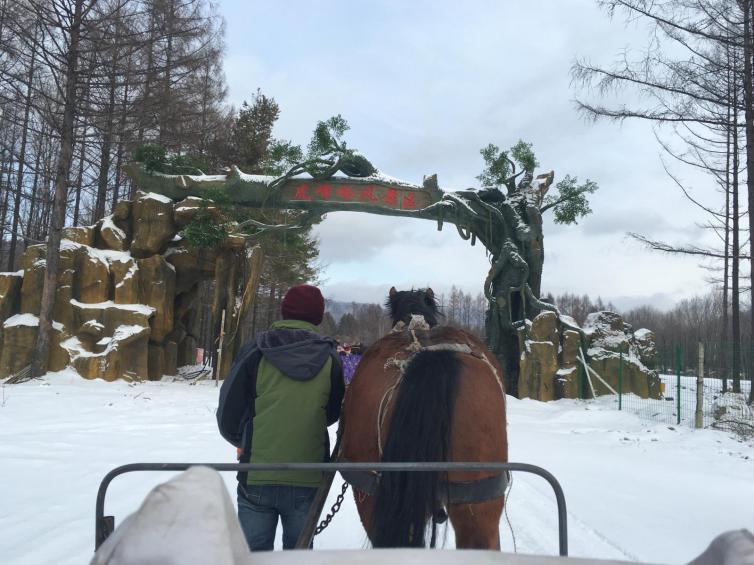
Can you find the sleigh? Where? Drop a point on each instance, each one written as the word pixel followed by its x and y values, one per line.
pixel 191 520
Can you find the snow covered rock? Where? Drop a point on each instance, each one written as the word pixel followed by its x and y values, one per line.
pixel 569 353
pixel 545 328
pixel 549 347
pixel 110 340
pixel 82 234
pixel 550 366
pixel 187 208
pixel 566 379
pixel 608 331
pixel 187 269
pixel 615 355
pixel 107 349
pixel 157 289
pixel 731 411
pixel 111 315
pixel 125 275
pixel 122 211
pixel 33 264
pixel 125 301
pixel 19 337
pixel 67 280
pixel 646 346
pixel 113 236
pixel 93 274
pixel 537 369
pixel 10 293
pixel 152 222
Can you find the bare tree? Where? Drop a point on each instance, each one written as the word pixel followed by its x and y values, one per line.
pixel 690 79
pixel 63 25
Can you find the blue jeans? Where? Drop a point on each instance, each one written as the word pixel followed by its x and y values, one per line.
pixel 259 507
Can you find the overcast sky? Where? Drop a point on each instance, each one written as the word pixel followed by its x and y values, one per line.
pixel 424 86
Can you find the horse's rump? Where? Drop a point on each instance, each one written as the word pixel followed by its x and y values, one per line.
pixel 465 385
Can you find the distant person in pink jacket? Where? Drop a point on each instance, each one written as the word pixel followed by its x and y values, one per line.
pixel 350 356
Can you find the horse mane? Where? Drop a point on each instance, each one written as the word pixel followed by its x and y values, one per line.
pixel 402 303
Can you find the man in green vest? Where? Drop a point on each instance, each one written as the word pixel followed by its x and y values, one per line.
pixel 297 385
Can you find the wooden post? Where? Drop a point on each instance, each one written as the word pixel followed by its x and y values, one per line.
pixel 620 381
pixel 220 349
pixel 678 352
pixel 588 378
pixel 222 266
pixel 699 414
pixel 227 327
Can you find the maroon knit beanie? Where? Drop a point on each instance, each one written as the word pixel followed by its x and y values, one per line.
pixel 303 302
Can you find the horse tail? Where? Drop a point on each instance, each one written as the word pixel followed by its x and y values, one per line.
pixel 420 430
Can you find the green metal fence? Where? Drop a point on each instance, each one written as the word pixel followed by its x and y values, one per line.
pixel 714 401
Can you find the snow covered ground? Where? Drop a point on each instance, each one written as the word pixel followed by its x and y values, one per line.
pixel 636 490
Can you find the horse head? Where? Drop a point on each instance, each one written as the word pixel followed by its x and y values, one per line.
pixel 403 303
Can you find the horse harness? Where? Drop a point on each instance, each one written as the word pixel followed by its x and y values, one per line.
pixel 455 492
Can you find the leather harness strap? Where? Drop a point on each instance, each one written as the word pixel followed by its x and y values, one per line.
pixel 364 481
pixel 459 492
pixel 480 490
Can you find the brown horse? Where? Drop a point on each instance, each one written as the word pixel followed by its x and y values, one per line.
pixel 426 393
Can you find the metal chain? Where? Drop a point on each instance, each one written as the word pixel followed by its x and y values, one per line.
pixel 333 510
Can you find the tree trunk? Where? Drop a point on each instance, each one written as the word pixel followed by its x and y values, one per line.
pixel 21 163
pixel 736 250
pixel 65 155
pixel 79 180
pixel 749 118
pixel 6 196
pixel 105 157
pixel 146 110
pixel 726 253
pixel 165 106
pixel 121 135
pixel 44 214
pixel 33 207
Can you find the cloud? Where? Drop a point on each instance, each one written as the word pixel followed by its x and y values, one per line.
pixel 345 237
pixel 660 300
pixel 632 219
pixel 356 290
pixel 413 254
pixel 426 84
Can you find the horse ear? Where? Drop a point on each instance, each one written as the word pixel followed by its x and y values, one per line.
pixel 392 292
pixel 430 293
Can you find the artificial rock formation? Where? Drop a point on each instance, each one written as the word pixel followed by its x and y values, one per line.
pixel 557 355
pixel 125 304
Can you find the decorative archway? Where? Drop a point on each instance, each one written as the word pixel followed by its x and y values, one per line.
pixel 508 225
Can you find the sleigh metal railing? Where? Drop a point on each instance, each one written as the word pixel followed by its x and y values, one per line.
pixel 104 525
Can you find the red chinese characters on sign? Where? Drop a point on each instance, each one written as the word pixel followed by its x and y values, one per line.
pixel 367 194
pixel 324 191
pixel 302 192
pixel 345 193
pixel 391 197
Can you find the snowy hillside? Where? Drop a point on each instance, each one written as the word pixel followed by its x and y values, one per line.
pixel 635 490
